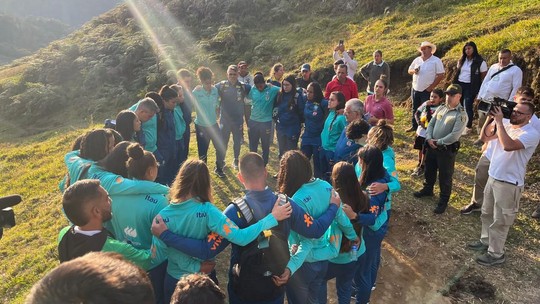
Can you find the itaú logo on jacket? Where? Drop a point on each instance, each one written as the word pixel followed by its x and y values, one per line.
pixel 132 232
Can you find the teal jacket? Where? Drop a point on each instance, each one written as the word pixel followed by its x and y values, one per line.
pixel 149 129
pixel 133 215
pixel 116 184
pixel 75 165
pixel 179 123
pixel 132 219
pixel 205 106
pixel 314 198
pixel 389 163
pixel 262 103
pixel 346 257
pixel 332 130
pixel 197 220
pixel 113 183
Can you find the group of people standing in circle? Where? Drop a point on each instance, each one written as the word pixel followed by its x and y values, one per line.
pixel 333 224
pixel 337 172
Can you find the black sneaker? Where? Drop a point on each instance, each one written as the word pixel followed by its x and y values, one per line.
pixel 487 259
pixel 439 209
pixel 470 208
pixel 536 213
pixel 219 172
pixel 422 193
pixel 477 245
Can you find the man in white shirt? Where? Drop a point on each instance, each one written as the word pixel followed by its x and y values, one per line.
pixel 523 94
pixel 348 59
pixel 243 73
pixel 502 81
pixel 427 71
pixel 514 142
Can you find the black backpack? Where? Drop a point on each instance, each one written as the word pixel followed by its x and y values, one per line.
pixel 252 275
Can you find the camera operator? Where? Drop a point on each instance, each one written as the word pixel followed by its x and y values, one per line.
pixel 514 142
pixel 442 140
pixel 523 94
pixel 502 80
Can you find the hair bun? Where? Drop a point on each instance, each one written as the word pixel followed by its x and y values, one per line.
pixel 135 151
pixel 383 77
pixel 381 123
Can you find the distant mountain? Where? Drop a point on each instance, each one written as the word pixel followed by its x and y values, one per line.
pixel 22 36
pixel 72 12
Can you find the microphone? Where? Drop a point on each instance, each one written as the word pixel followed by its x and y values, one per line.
pixel 9 201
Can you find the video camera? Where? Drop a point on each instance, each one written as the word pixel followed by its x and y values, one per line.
pixel 486 106
pixel 7 216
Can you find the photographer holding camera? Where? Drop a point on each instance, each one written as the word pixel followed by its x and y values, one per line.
pixel 502 80
pixel 442 140
pixel 514 142
pixel 523 94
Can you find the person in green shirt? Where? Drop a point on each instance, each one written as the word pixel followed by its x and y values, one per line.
pixel 263 99
pixel 309 261
pixel 343 267
pixel 207 108
pixel 133 213
pixel 192 214
pixel 87 205
pixel 333 127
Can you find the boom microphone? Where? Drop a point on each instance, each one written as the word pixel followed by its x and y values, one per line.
pixel 9 201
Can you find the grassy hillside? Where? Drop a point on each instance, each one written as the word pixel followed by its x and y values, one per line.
pixel 22 36
pixel 114 59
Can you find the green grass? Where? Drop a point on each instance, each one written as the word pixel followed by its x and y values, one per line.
pixel 493 25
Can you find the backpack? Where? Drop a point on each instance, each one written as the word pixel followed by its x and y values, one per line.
pixel 252 275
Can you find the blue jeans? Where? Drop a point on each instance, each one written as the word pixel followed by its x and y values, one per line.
pixel 167 171
pixel 344 274
pixel 467 101
pixel 286 143
pixel 183 155
pixel 157 277
pixel 305 284
pixel 204 136
pixel 418 98
pixel 367 264
pixel 326 158
pixel 313 150
pixel 234 299
pixel 237 131
pixel 259 131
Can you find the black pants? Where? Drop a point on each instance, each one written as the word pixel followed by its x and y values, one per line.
pixel 442 160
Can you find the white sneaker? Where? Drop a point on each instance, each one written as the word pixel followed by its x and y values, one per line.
pixel 466 131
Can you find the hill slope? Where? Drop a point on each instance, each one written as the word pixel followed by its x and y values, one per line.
pixel 72 12
pixel 22 36
pixel 112 60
